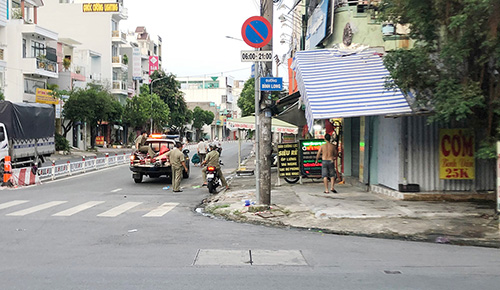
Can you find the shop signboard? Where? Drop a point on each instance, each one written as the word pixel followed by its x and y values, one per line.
pixel 99 140
pixel 308 151
pixel 44 96
pixel 100 7
pixel 456 154
pixel 288 159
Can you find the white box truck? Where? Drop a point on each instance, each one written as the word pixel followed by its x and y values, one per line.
pixel 26 133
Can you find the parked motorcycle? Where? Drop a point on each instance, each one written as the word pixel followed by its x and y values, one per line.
pixel 213 180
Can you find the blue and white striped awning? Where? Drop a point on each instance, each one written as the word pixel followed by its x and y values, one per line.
pixel 336 84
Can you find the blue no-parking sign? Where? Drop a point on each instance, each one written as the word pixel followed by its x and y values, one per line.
pixel 256 31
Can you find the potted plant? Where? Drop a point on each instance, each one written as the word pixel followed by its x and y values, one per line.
pixel 41 61
pixel 125 59
pixel 66 63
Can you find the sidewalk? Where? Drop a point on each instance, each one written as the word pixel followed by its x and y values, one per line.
pixel 356 212
pixel 99 152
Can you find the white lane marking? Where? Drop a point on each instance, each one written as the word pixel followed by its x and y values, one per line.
pixel 119 209
pixel 12 203
pixel 36 208
pixel 116 190
pixel 78 208
pixel 161 210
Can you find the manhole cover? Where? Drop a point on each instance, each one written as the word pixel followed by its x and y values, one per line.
pixel 215 257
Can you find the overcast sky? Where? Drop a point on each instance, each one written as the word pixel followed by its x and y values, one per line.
pixel 194 33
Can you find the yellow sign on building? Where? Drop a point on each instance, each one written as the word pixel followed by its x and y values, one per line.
pixel 101 7
pixel 456 154
pixel 45 97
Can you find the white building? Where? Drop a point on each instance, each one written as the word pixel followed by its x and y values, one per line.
pixel 216 94
pixel 96 25
pixel 27 60
pixel 139 48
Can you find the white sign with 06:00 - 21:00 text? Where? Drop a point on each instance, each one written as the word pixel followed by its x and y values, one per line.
pixel 256 55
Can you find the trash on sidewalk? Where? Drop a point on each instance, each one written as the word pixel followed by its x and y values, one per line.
pixel 166 187
pixel 132 231
pixel 442 240
pixel 196 186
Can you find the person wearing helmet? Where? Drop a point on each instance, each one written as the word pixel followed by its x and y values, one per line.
pixel 212 159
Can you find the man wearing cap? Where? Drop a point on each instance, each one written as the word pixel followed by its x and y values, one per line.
pixel 212 159
pixel 178 162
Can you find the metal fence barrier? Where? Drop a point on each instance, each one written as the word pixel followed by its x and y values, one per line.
pixel 70 168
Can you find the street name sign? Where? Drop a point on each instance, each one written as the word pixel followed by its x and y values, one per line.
pixel 256 31
pixel 271 84
pixel 256 55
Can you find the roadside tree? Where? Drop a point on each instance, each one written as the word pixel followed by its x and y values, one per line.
pixel 141 108
pixel 453 68
pixel 92 105
pixel 201 118
pixel 168 89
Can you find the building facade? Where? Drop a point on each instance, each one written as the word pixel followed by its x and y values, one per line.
pixel 385 152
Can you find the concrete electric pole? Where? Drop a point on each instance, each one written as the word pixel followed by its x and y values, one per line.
pixel 265 116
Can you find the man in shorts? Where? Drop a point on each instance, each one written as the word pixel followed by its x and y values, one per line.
pixel 329 155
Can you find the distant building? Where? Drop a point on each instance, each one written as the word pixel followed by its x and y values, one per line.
pixel 216 94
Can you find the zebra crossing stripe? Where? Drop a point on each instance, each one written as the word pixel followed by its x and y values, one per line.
pixel 78 208
pixel 119 209
pixel 36 208
pixel 12 203
pixel 161 210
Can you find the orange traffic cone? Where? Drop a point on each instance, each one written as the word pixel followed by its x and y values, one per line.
pixel 7 171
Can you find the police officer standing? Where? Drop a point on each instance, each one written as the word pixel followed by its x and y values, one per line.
pixel 177 161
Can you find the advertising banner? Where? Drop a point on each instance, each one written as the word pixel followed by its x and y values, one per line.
pixel 45 97
pixel 288 160
pixel 136 63
pixel 153 64
pixel 456 154
pixel 309 149
pixel 99 140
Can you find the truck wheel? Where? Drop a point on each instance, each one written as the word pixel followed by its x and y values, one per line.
pixel 138 179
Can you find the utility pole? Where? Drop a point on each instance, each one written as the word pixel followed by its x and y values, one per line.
pixel 265 137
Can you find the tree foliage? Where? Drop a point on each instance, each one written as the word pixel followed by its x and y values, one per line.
pixel 454 65
pixel 141 108
pixel 246 101
pixel 168 89
pixel 92 105
pixel 201 118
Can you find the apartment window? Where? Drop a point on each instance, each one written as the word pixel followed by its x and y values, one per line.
pixel 37 49
pixel 224 99
pixel 24 48
pixel 31 85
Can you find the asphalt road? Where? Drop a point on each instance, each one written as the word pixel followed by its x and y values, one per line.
pixel 102 231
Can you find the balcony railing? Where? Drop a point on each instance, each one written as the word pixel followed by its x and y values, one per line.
pixel 119 85
pixel 46 64
pixel 1 54
pixel 118 36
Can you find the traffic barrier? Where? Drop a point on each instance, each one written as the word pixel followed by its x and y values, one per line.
pixel 86 165
pixel 25 176
pixel 7 172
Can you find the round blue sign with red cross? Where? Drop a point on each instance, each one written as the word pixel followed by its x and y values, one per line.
pixel 257 31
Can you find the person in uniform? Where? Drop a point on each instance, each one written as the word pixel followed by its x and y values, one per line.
pixel 178 162
pixel 212 159
pixel 140 142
